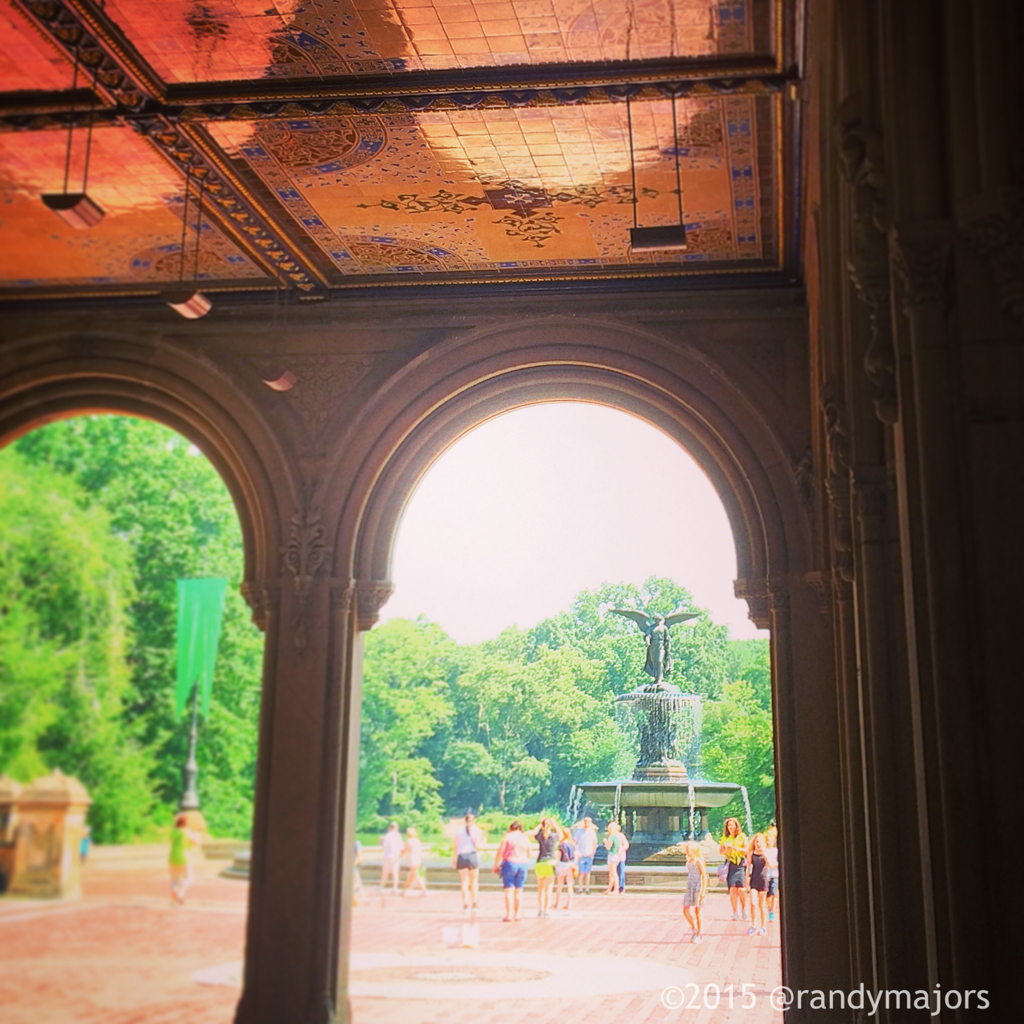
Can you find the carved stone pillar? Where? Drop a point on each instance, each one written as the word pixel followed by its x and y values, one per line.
pixel 297 868
pixel 807 734
pixel 940 575
pixel 891 849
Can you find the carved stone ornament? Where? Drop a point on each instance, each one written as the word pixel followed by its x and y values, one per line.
pixel 820 583
pixel 342 592
pixel 861 155
pixel 263 597
pixel 321 382
pixel 371 596
pixel 306 555
pixel 994 225
pixel 778 590
pixel 921 257
pixel 755 593
pixel 804 473
pixel 837 482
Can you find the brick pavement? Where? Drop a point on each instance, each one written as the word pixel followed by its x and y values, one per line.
pixel 125 955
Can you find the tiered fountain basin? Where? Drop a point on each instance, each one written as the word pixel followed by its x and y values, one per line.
pixel 648 793
pixel 655 814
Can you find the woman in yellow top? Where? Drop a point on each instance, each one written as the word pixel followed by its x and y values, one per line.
pixel 734 849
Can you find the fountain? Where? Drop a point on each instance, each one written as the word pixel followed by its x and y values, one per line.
pixel 661 796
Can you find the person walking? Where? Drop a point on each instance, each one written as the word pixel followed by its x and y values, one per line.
pixel 771 853
pixel 757 868
pixel 623 853
pixel 466 860
pixel 585 834
pixel 392 846
pixel 613 844
pixel 696 889
pixel 414 851
pixel 512 862
pixel 183 839
pixel 734 848
pixel 547 834
pixel 565 867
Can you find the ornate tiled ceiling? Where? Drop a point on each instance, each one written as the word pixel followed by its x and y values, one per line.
pixel 346 143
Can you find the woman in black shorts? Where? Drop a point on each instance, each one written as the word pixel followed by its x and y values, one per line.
pixel 757 866
pixel 466 860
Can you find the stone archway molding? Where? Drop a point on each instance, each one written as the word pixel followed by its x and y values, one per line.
pixel 463 382
pixel 58 376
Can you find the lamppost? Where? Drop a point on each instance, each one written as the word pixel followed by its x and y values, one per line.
pixel 189 796
pixel 200 608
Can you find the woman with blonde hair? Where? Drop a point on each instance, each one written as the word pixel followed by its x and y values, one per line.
pixel 757 867
pixel 613 843
pixel 771 853
pixel 734 848
pixel 696 888
pixel 565 867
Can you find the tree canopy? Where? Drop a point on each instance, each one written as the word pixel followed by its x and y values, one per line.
pixel 167 511
pixel 99 515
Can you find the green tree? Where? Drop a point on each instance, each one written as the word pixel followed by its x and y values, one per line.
pixel 407 671
pixel 64 582
pixel 738 748
pixel 169 504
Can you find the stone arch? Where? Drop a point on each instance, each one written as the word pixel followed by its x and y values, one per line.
pixel 59 376
pixel 452 388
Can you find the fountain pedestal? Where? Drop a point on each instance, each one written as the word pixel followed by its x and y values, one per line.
pixel 656 806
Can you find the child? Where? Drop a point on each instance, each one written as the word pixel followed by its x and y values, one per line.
pixel 182 840
pixel 414 851
pixel 696 889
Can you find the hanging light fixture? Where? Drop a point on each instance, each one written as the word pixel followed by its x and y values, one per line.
pixel 76 209
pixel 190 303
pixel 665 237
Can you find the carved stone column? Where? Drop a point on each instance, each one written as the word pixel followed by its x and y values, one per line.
pixel 292 937
pixel 807 734
pixel 939 572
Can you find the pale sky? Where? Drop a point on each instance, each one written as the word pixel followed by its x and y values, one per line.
pixel 536 505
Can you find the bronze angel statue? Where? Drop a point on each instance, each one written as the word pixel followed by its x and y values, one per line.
pixel 655 628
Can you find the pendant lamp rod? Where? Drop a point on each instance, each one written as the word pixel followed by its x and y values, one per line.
pixel 675 139
pixel 76 209
pixel 199 231
pixel 71 122
pixel 190 303
pixel 184 223
pixel 632 158
pixel 88 133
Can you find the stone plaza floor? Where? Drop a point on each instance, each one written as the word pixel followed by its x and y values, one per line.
pixel 124 955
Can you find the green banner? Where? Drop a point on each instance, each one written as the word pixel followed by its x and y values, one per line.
pixel 200 608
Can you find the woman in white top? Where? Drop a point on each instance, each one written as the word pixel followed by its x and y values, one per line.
pixel 391 846
pixel 466 860
pixel 414 851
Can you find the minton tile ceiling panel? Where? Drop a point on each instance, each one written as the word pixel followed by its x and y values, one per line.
pixel 233 40
pixel 28 60
pixel 522 191
pixel 137 242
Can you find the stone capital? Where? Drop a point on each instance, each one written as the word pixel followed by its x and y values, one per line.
pixel 263 597
pixel 755 593
pixel 371 596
